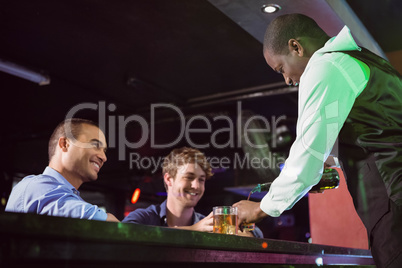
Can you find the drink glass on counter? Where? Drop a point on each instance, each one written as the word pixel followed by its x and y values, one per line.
pixel 225 220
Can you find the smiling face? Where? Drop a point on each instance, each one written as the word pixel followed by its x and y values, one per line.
pixel 291 65
pixel 188 186
pixel 85 156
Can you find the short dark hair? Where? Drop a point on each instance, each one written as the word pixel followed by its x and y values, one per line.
pixel 182 156
pixel 74 127
pixel 286 27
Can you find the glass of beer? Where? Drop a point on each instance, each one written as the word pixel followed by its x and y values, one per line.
pixel 225 220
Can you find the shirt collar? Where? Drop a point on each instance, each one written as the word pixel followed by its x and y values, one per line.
pixel 53 173
pixel 196 217
pixel 162 214
pixel 342 42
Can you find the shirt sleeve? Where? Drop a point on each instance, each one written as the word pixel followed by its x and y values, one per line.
pixel 67 204
pixel 55 199
pixel 257 232
pixel 327 93
pixel 146 216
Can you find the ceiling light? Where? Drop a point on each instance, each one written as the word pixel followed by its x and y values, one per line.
pixel 20 71
pixel 270 8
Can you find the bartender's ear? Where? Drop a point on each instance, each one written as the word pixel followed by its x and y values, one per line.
pixel 295 47
pixel 167 179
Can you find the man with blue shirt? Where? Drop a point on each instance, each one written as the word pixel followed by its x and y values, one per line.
pixel 185 171
pixel 76 154
pixel 345 92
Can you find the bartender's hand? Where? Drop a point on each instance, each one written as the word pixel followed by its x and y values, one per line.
pixel 326 165
pixel 316 192
pixel 249 211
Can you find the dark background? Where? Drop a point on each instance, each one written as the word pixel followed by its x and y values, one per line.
pixel 203 57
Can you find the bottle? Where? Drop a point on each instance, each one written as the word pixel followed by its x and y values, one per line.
pixel 329 180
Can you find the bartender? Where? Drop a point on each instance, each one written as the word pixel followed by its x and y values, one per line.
pixel 345 92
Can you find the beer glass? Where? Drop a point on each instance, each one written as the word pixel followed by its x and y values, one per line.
pixel 225 220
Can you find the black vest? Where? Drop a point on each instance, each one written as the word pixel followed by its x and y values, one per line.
pixel 370 142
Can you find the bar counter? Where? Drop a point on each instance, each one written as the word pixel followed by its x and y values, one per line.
pixel 28 239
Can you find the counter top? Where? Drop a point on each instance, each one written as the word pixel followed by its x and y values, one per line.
pixel 56 240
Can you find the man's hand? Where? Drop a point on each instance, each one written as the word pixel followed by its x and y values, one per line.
pixel 111 217
pixel 249 211
pixel 245 233
pixel 204 225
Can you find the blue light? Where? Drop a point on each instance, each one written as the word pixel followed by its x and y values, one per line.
pixel 281 166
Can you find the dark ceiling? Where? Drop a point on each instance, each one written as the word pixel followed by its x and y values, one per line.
pixel 200 57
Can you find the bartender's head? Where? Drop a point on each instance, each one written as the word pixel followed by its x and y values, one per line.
pixel 289 42
pixel 185 171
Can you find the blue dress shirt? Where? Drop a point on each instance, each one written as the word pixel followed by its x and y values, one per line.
pixel 51 194
pixel 156 215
